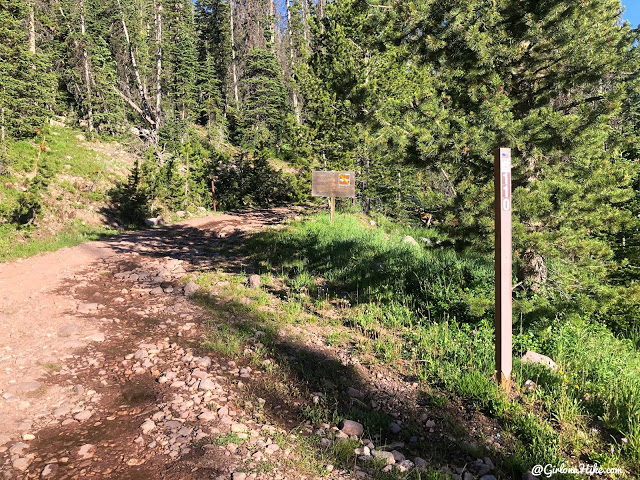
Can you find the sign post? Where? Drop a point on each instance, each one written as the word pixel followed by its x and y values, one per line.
pixel 213 195
pixel 332 185
pixel 503 268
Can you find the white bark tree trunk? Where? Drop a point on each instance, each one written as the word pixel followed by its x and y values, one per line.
pixel 32 29
pixel 233 56
pixel 294 93
pixel 149 115
pixel 158 8
pixel 85 67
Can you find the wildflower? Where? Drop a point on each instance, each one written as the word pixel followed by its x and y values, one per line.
pixel 577 387
pixel 594 430
pixel 565 379
pixel 624 440
pixel 560 372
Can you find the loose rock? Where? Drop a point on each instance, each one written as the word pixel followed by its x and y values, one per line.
pixel 351 427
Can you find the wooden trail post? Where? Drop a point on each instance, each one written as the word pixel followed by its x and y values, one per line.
pixel 503 269
pixel 333 184
pixel 213 195
pixel 333 208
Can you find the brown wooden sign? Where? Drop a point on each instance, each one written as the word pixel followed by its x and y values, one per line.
pixel 333 184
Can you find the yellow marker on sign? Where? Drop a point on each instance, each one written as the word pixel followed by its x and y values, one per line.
pixel 345 179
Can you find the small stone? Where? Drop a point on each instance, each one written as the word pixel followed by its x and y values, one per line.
pixel 18 448
pixel 487 477
pixel 83 416
pixel 387 456
pixel 49 471
pixel 398 457
pixel 410 240
pixel 254 281
pixel 420 463
pixel 239 476
pixel 207 416
pixel 354 393
pixel 147 426
pixel 87 308
pixel 530 386
pixel 21 464
pixel 206 384
pixel 96 337
pixel 430 424
pixel 86 451
pixel 351 427
pixel 405 465
pixel 28 437
pixel 25 387
pixel 239 427
pixel 190 289
pixel 533 357
pixel 395 428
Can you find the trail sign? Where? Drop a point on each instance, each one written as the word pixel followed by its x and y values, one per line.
pixel 333 184
pixel 503 266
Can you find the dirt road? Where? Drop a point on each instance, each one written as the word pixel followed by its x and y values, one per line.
pixel 99 371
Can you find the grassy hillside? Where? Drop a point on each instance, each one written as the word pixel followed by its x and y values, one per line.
pixel 53 191
pixel 425 310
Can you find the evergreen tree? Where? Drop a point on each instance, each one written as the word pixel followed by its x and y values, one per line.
pixel 264 100
pixel 548 79
pixel 214 34
pixel 26 83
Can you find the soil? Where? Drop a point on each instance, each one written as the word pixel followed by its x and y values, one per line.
pixel 65 325
pixel 102 374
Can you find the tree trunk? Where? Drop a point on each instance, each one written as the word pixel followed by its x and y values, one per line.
pixel 2 134
pixel 158 8
pixel 145 102
pixel 272 20
pixel 305 24
pixel 294 93
pixel 32 29
pixel 233 56
pixel 85 65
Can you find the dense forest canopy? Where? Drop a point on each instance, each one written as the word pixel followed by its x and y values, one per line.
pixel 414 96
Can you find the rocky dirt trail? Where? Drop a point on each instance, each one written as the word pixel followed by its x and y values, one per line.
pixel 99 371
pixel 102 374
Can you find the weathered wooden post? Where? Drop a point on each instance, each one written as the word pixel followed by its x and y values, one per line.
pixel 332 202
pixel 213 195
pixel 503 269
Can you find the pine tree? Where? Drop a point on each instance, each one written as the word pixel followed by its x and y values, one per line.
pixel 264 100
pixel 26 83
pixel 548 79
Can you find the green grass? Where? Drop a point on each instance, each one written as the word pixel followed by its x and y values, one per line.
pixel 429 310
pixel 77 174
pixel 65 149
pixel 12 246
